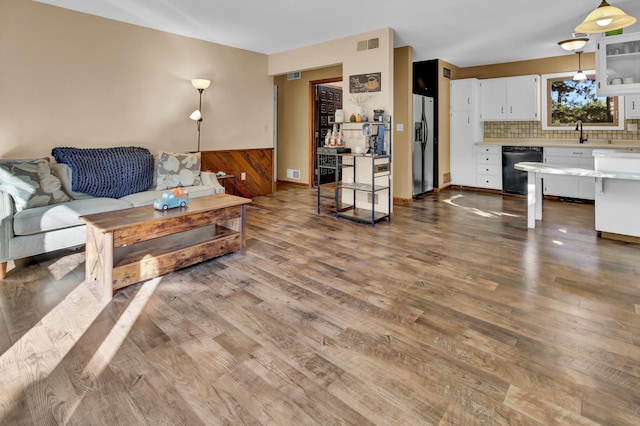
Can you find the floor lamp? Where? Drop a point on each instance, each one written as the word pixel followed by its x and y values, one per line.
pixel 200 84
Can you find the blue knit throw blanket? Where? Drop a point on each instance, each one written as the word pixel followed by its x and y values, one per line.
pixel 108 172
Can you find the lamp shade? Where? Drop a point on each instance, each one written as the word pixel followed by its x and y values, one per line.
pixel 196 115
pixel 573 43
pixel 200 83
pixel 605 18
pixel 580 75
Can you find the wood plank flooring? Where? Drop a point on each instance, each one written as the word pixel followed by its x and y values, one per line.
pixel 452 313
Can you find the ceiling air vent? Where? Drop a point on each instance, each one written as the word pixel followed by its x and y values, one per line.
pixel 294 75
pixel 372 43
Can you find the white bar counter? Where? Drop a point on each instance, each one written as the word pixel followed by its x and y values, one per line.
pixel 617 176
pixel 617 201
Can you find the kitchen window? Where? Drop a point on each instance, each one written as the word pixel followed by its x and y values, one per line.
pixel 565 101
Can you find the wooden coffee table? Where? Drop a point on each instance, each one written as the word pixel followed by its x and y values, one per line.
pixel 132 245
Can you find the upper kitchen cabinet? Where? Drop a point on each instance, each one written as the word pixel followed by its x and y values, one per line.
pixel 618 65
pixel 464 95
pixel 632 106
pixel 510 98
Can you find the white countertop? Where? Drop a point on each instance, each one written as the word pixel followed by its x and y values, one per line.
pixel 622 153
pixel 572 170
pixel 560 143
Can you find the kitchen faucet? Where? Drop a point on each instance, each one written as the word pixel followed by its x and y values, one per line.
pixel 579 126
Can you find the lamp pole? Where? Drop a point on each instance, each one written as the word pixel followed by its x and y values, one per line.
pixel 200 119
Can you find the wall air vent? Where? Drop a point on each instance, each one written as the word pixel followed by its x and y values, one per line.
pixel 294 75
pixel 293 174
pixel 372 43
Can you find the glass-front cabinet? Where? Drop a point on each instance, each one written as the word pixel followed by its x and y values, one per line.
pixel 618 65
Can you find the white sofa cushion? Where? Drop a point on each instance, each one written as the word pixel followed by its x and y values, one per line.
pixel 64 215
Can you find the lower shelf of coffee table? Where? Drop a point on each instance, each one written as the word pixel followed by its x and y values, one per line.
pixel 148 259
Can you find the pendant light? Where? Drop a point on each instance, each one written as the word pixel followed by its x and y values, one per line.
pixel 605 18
pixel 580 75
pixel 573 43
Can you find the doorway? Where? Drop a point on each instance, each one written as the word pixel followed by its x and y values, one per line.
pixel 326 99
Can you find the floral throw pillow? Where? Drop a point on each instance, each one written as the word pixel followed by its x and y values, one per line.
pixel 176 169
pixel 31 183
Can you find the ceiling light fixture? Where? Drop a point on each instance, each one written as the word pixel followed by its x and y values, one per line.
pixel 580 75
pixel 605 18
pixel 573 43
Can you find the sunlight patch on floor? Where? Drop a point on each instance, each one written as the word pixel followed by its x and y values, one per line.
pixel 119 332
pixel 476 211
pixel 56 334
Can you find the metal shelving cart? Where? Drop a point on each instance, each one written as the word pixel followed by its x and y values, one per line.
pixel 348 183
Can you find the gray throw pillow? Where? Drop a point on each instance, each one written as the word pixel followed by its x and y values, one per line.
pixel 176 169
pixel 31 183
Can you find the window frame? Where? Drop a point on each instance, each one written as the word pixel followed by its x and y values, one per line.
pixel 546 104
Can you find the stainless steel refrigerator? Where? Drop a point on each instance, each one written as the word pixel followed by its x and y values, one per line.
pixel 422 147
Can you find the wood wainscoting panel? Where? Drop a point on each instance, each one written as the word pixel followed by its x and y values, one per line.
pixel 257 163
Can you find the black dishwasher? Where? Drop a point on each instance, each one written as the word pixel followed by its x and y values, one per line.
pixel 515 181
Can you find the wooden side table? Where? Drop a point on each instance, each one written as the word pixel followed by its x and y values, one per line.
pixel 223 181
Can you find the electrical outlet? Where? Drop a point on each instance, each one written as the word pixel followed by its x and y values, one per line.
pixel 399 127
pixel 243 176
pixel 632 127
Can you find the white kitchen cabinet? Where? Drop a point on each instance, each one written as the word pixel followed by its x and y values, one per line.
pixel 488 166
pixel 493 99
pixel 632 106
pixel 465 129
pixel 618 65
pixel 566 185
pixel 510 98
pixel 464 95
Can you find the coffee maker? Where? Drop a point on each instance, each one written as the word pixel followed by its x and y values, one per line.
pixel 374 139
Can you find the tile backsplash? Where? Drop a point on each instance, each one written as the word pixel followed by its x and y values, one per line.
pixel 533 130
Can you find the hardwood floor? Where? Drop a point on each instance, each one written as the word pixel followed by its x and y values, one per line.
pixel 453 313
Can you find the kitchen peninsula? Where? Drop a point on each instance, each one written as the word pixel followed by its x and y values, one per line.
pixel 617 181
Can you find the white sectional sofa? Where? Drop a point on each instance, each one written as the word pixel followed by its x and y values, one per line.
pixel 39 227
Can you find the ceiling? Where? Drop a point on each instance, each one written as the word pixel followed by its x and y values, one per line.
pixel 462 32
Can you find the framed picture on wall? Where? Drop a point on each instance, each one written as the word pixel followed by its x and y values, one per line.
pixel 363 83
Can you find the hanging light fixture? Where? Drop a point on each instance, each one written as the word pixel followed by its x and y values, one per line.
pixel 605 18
pixel 200 84
pixel 580 75
pixel 572 44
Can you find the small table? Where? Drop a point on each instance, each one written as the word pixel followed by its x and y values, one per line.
pixel 223 182
pixel 137 244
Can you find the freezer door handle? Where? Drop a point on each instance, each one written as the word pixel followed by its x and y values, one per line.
pixel 426 132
